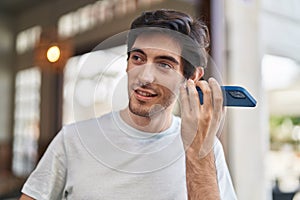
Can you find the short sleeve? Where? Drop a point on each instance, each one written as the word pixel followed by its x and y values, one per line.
pixel 226 189
pixel 48 179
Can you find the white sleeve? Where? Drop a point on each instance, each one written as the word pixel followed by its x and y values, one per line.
pixel 47 181
pixel 226 189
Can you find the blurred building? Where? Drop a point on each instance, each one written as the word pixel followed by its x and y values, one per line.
pixel 251 40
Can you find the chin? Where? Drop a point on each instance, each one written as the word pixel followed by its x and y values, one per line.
pixel 142 111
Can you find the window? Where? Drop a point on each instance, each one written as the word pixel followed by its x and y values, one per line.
pixel 99 12
pixel 27 39
pixel 90 81
pixel 26 120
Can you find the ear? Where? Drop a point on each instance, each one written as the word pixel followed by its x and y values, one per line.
pixel 198 73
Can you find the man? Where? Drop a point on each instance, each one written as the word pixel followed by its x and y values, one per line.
pixel 143 151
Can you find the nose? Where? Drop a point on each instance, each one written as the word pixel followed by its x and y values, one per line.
pixel 146 75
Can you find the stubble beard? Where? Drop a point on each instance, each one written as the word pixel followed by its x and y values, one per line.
pixel 141 108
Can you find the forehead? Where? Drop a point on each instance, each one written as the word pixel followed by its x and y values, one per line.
pixel 159 42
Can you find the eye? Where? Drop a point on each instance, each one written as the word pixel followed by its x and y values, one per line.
pixel 136 58
pixel 165 65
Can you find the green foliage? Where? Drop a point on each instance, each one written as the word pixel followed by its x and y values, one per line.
pixel 282 131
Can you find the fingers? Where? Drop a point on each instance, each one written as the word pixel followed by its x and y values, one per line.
pixel 212 98
pixel 217 96
pixel 206 107
pixel 190 113
pixel 212 94
pixel 189 98
pixel 200 123
pixel 216 99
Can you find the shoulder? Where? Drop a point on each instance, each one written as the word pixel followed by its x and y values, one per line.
pixel 176 122
pixel 177 119
pixel 224 179
pixel 86 125
pixel 219 153
pixel 218 147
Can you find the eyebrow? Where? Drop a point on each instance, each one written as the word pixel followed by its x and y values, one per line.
pixel 136 50
pixel 170 58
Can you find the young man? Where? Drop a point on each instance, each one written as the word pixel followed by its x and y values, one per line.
pixel 143 151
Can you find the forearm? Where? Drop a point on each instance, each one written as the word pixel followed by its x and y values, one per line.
pixel 201 177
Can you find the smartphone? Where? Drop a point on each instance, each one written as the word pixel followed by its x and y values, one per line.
pixel 233 96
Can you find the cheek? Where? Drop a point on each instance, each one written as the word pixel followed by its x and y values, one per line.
pixel 172 82
pixel 169 90
pixel 132 71
pixel 128 67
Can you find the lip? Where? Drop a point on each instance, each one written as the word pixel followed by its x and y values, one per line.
pixel 144 94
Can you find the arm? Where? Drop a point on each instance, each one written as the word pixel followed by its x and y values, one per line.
pixel 200 124
pixel 201 177
pixel 48 178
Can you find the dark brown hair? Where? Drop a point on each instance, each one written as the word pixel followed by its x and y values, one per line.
pixel 193 35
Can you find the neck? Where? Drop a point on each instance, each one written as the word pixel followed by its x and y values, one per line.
pixel 153 124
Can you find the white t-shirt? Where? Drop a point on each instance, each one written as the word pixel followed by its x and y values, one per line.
pixel 104 158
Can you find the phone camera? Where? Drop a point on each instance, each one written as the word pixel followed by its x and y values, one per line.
pixel 237 94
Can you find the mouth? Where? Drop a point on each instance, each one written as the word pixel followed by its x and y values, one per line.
pixel 144 94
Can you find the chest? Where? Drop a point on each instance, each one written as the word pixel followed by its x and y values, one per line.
pixel 93 180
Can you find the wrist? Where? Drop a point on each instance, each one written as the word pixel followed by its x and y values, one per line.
pixel 192 154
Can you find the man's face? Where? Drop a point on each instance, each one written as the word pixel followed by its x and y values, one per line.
pixel 154 74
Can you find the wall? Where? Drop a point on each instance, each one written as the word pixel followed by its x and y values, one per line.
pixel 247 127
pixel 6 87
